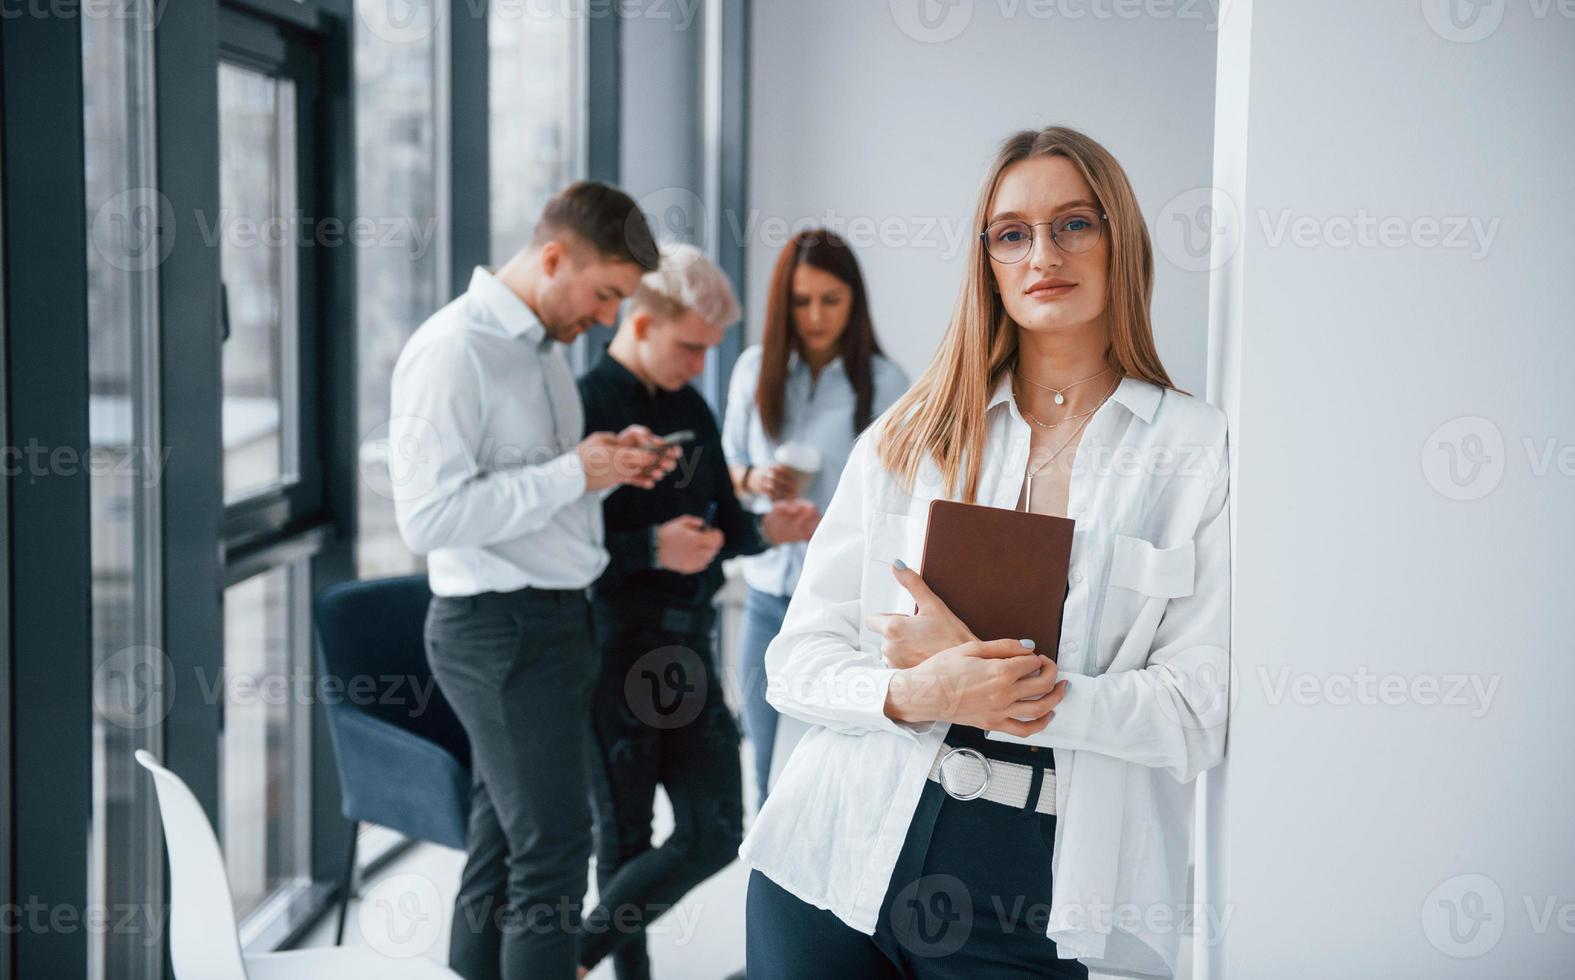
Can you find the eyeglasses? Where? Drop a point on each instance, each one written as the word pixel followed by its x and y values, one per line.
pixel 1011 240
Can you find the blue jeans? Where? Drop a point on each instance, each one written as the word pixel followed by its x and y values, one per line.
pixel 763 615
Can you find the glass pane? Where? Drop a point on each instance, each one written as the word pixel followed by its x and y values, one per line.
pixel 400 271
pixel 263 766
pixel 257 227
pixel 532 126
pixel 129 692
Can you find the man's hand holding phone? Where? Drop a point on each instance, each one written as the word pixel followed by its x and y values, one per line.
pixel 633 457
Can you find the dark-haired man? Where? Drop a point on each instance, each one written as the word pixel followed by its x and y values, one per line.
pixel 496 483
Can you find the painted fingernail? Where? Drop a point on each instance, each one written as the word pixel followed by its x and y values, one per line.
pixel 899 563
pixel 1027 643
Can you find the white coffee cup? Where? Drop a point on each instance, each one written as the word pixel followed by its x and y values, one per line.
pixel 801 460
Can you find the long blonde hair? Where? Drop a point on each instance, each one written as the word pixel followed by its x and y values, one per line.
pixel 942 417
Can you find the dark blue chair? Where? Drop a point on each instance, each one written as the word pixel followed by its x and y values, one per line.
pixel 400 766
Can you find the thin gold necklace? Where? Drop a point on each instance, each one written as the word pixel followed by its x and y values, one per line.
pixel 1060 398
pixel 1030 416
pixel 1028 498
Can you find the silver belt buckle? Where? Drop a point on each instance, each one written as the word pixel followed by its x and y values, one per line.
pixel 983 784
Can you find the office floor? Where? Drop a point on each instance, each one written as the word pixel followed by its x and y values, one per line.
pixel 701 939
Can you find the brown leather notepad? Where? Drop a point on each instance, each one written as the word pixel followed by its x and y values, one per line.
pixel 1003 572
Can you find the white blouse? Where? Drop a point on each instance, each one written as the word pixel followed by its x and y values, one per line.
pixel 1144 650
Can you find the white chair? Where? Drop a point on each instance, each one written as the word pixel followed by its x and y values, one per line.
pixel 204 943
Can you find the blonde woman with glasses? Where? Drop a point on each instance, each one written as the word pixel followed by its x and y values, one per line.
pixel 970 806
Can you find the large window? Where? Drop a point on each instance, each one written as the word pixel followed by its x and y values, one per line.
pixel 275 241
pixel 124 215
pixel 400 277
pixel 532 97
pixel 259 255
pixel 264 811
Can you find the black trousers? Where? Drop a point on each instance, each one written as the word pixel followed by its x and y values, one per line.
pixel 970 897
pixel 519 668
pixel 658 717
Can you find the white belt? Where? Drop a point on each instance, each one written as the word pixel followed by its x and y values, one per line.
pixel 965 774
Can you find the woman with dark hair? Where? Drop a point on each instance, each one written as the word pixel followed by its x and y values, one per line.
pixel 795 404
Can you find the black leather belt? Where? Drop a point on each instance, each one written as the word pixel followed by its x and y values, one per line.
pixel 530 595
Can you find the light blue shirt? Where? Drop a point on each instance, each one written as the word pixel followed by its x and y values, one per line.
pixel 818 412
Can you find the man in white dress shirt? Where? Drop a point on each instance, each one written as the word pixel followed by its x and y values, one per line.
pixel 497 484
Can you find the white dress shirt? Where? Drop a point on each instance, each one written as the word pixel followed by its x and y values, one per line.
pixel 817 412
pixel 485 419
pixel 1144 653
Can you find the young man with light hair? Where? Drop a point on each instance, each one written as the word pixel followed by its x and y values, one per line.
pixel 658 715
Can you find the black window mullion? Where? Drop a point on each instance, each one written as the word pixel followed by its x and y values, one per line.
pixel 49 574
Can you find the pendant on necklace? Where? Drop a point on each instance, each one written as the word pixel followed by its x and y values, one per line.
pixel 1060 399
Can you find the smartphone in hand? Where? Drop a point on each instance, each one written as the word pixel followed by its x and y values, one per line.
pixel 671 439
